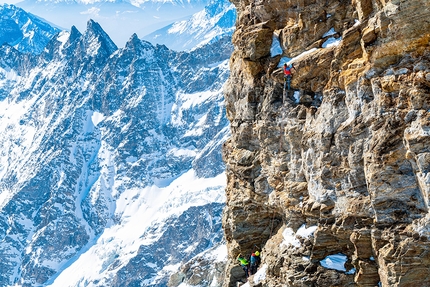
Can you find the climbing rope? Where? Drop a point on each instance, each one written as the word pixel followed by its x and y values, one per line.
pixel 271 228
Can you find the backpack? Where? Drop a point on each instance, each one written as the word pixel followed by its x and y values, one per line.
pixel 287 71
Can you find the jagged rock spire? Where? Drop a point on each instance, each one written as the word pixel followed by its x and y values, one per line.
pixel 97 41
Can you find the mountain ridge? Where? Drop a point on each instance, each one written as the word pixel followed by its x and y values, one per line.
pixel 89 139
pixel 214 22
pixel 120 19
pixel 24 31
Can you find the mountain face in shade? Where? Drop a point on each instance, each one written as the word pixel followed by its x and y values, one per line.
pixel 24 31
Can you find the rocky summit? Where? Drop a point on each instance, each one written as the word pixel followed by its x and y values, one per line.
pixel 330 179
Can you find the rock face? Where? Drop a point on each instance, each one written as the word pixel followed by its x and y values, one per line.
pixel 341 166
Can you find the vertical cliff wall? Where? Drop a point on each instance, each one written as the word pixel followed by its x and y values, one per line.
pixel 333 182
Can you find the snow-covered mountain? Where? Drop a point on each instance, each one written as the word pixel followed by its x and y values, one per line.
pixel 119 18
pixel 216 21
pixel 24 31
pixel 110 168
pixel 183 3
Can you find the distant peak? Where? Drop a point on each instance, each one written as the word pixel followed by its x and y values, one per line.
pixel 94 32
pixel 74 33
pixel 9 6
pixel 94 28
pixel 134 37
pixel 91 22
pixel 93 25
pixel 133 41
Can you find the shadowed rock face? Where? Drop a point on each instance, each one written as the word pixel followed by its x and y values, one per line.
pixel 346 152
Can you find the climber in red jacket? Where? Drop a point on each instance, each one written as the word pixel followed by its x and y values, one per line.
pixel 288 75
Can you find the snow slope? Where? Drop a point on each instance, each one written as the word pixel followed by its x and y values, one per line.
pixel 139 210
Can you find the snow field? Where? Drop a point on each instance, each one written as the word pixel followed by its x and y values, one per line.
pixel 138 210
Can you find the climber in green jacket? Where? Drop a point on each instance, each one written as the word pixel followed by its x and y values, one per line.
pixel 244 263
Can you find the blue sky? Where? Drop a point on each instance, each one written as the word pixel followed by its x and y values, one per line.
pixel 10 1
